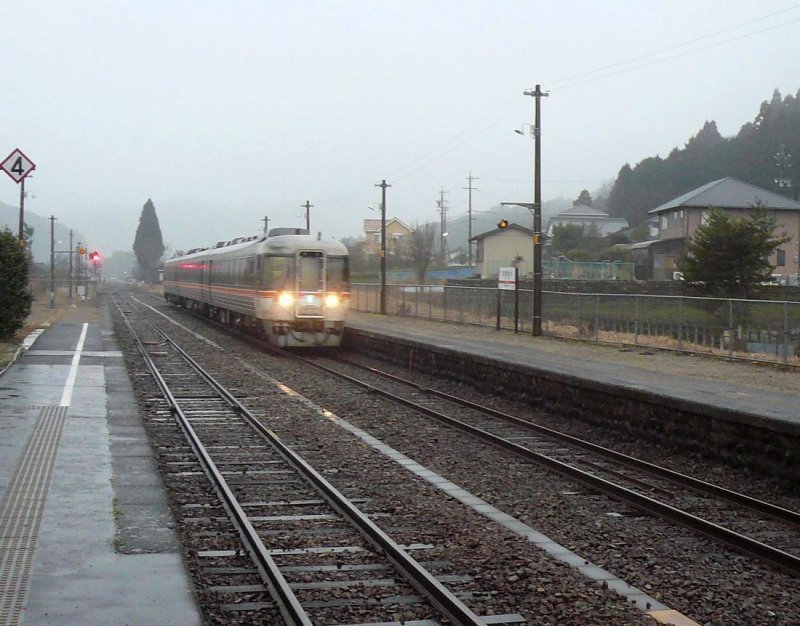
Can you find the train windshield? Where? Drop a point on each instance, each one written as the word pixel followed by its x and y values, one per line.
pixel 338 273
pixel 310 276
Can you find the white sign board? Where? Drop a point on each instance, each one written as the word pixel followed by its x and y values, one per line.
pixel 507 278
pixel 17 165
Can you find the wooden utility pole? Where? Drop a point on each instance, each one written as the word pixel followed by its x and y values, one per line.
pixel 71 252
pixel 537 94
pixel 308 206
pixel 470 178
pixel 442 205
pixel 383 185
pixel 52 260
pixel 266 225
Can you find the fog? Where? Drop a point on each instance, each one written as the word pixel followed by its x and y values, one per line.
pixel 224 113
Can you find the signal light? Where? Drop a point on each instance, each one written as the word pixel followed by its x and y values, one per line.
pixel 94 257
pixel 502 224
pixel 81 251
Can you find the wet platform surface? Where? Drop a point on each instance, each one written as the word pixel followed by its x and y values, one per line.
pixel 765 396
pixel 86 535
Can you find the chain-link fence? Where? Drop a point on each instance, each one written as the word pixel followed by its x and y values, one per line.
pixel 752 329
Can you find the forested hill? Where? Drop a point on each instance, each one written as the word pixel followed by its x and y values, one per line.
pixel 749 156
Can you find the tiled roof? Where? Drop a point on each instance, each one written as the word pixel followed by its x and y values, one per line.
pixel 729 193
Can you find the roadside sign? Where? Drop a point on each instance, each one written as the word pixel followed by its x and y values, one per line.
pixel 507 278
pixel 17 165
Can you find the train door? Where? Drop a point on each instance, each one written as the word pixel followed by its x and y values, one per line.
pixel 310 279
pixel 205 283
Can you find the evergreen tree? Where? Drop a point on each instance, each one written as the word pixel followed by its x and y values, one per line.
pixel 727 257
pixel 708 156
pixel 15 299
pixel 584 199
pixel 148 245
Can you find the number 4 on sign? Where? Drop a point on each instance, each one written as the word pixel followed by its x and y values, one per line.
pixel 17 165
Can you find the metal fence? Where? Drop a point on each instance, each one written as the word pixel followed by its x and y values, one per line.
pixel 571 270
pixel 753 329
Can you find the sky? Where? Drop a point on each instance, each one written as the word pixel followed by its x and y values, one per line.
pixel 224 113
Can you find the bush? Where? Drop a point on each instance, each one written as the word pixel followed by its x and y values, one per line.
pixel 15 298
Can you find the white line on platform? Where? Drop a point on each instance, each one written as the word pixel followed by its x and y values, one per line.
pixel 66 397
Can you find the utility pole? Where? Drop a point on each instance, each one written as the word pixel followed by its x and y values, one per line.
pixel 52 261
pixel 71 252
pixel 266 225
pixel 442 206
pixel 383 185
pixel 470 178
pixel 537 95
pixel 308 206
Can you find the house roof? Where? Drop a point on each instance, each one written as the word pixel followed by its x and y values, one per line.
pixel 582 210
pixel 496 231
pixel 728 193
pixel 374 225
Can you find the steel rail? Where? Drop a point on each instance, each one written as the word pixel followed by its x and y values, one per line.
pixel 422 580
pixel 773 555
pixel 287 602
pixel 754 504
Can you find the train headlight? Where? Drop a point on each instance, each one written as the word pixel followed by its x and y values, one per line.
pixel 331 300
pixel 286 299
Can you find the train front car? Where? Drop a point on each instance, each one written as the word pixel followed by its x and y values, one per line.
pixel 306 282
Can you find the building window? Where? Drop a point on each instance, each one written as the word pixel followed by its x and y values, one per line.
pixel 704 217
pixel 781 258
pixel 376 237
pixel 663 224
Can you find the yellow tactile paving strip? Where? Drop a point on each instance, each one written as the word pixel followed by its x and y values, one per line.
pixel 21 512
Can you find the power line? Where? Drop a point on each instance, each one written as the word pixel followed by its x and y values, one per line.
pixel 679 45
pixel 676 56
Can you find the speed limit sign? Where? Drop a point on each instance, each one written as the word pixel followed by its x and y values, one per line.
pixel 17 165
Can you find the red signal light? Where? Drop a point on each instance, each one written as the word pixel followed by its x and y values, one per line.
pixel 94 257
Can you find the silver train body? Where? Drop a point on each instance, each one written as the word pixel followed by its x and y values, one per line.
pixel 292 289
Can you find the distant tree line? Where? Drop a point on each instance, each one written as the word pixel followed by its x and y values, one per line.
pixel 749 156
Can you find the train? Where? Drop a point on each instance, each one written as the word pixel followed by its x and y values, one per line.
pixel 289 287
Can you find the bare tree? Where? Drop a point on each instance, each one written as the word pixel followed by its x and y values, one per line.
pixel 421 249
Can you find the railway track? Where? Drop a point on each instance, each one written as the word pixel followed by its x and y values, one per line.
pixel 681 569
pixel 302 551
pixel 759 528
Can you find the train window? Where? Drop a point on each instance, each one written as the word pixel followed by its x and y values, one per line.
pixel 310 270
pixel 249 276
pixel 278 272
pixel 338 273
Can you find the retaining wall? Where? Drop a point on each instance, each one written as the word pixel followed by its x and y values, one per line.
pixel 739 439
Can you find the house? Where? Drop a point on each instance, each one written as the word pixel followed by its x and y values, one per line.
pixel 679 218
pixel 597 222
pixel 511 246
pixel 398 235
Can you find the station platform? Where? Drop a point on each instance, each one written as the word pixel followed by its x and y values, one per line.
pixel 757 395
pixel 86 534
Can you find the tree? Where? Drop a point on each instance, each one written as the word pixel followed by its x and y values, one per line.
pixel 727 257
pixel 15 299
pixel 567 239
pixel 421 249
pixel 148 244
pixel 584 199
